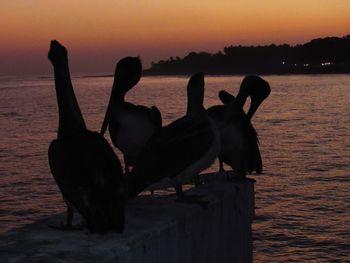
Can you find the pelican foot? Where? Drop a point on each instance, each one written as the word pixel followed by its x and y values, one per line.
pixel 193 199
pixel 197 181
pixel 237 177
pixel 127 171
pixel 68 227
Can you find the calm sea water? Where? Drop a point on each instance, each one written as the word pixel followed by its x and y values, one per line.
pixel 303 199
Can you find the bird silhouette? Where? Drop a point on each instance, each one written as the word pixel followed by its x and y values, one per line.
pixel 130 126
pixel 239 140
pixel 180 150
pixel 83 164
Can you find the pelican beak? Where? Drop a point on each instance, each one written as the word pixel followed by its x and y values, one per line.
pixel 106 120
pixel 225 97
pixel 258 90
pixel 253 107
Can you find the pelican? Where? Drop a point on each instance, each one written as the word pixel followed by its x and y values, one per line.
pixel 180 150
pixel 83 164
pixel 239 140
pixel 130 126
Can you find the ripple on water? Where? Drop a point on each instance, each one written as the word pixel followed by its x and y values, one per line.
pixel 302 200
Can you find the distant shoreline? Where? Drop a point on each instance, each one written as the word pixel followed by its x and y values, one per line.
pixel 147 74
pixel 330 55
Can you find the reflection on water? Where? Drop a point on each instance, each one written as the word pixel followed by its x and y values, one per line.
pixel 303 207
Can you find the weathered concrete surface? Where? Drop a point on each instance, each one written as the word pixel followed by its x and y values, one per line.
pixel 158 229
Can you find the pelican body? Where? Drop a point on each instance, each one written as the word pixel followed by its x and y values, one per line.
pixel 239 140
pixel 180 150
pixel 130 126
pixel 83 164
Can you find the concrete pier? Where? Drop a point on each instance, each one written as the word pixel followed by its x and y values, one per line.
pixel 158 230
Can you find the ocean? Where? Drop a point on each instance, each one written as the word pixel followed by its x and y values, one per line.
pixel 302 199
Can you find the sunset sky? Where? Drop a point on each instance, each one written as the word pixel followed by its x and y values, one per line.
pixel 97 34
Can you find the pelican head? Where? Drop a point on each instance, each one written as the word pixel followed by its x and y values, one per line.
pixel 128 73
pixel 258 90
pixel 195 93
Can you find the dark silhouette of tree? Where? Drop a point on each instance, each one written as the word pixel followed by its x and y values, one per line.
pixel 322 55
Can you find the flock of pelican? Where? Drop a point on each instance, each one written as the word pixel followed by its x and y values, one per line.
pixel 89 173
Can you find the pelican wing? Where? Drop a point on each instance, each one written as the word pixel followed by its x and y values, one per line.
pixel 170 151
pixel 156 116
pixel 89 175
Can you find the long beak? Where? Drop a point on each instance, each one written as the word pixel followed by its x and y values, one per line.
pixel 253 107
pixel 106 119
pixel 238 103
pixel 235 107
pixel 108 111
pixel 225 97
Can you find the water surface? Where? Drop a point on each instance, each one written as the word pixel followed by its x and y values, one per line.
pixel 303 199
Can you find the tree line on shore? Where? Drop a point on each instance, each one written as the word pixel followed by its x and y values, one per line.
pixel 322 55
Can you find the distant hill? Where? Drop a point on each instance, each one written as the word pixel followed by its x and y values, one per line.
pixel 322 55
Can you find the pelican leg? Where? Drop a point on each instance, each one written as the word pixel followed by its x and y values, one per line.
pixel 197 180
pixel 69 223
pixel 222 170
pixel 127 170
pixel 70 214
pixel 221 166
pixel 126 165
pixel 180 194
pixel 190 199
pixel 239 174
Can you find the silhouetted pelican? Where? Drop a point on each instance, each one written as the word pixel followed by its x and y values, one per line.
pixel 239 140
pixel 130 126
pixel 83 164
pixel 180 150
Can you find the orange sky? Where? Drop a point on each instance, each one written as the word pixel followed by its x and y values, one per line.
pixel 98 34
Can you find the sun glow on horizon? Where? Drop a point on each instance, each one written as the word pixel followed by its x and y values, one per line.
pixel 104 32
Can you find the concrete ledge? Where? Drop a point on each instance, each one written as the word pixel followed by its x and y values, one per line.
pixel 158 229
